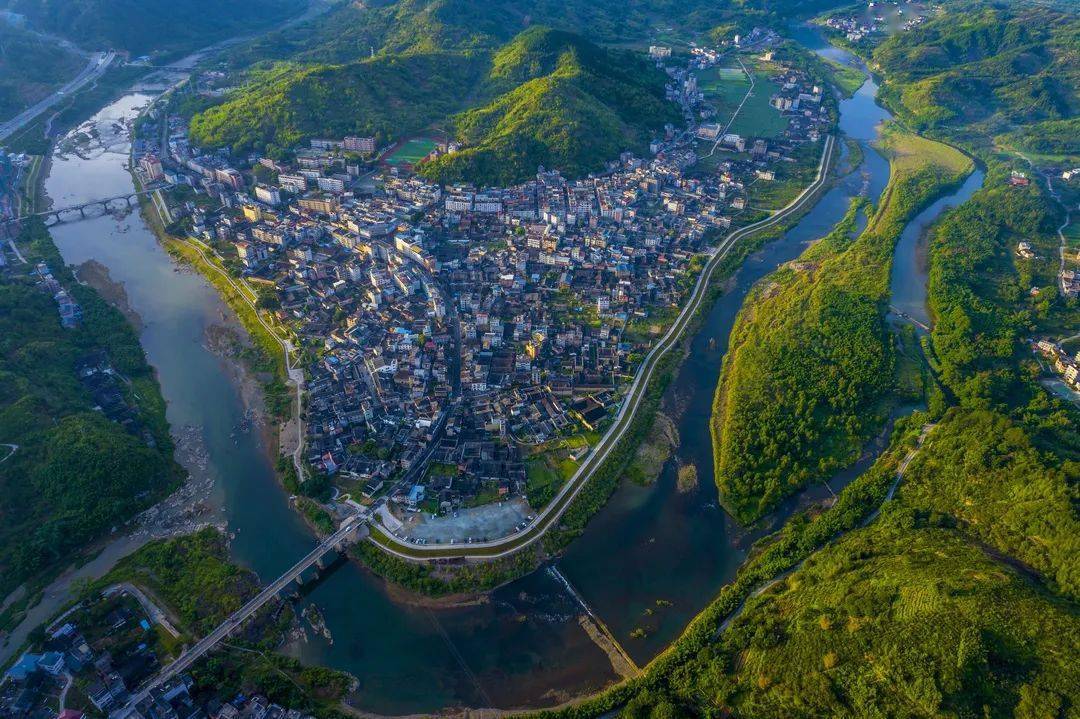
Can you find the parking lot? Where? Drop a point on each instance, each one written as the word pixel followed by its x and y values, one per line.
pixel 490 521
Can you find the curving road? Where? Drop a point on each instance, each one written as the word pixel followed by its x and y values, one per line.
pixel 555 509
pixel 95 68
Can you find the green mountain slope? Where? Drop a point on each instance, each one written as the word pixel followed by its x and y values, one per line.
pixel 30 68
pixel 386 96
pixel 547 97
pixel 577 107
pixel 1001 66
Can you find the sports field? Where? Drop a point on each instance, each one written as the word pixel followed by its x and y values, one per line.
pixel 726 87
pixel 411 151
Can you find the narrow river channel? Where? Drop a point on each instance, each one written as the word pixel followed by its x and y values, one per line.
pixel 523 645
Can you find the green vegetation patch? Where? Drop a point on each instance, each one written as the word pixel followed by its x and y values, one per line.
pixel 903 600
pixel 988 478
pixel 1008 66
pixel 810 358
pixel 75 474
pixel 758 118
pixel 726 87
pixel 31 67
pixel 193 575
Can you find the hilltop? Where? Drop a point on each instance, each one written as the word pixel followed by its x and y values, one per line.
pixel 546 97
pixel 577 106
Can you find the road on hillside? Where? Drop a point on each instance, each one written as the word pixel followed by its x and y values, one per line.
pixel 95 68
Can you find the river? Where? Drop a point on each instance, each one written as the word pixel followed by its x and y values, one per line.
pixel 523 645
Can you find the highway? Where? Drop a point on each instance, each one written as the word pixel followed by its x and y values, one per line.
pixel 95 68
pixel 204 645
pixel 596 458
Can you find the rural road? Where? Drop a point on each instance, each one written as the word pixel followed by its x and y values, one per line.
pixel 95 68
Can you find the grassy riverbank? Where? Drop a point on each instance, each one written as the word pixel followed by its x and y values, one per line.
pixel 811 362
pixel 265 356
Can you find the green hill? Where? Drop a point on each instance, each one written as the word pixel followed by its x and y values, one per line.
pixel 811 362
pixel 577 107
pixel 546 97
pixel 387 96
pixel 1001 65
pixel 30 68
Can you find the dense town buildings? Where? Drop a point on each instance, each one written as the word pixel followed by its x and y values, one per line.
pixel 452 333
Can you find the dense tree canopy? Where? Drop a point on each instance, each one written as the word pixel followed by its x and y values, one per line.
pixel 75 474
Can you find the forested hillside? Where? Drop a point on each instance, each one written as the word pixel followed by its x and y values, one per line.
pixel 30 68
pixel 387 96
pixel 992 69
pixel 546 97
pixel 576 107
pixel 567 103
pixel 148 26
pixel 69 474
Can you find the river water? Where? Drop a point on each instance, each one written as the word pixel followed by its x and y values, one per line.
pixel 523 645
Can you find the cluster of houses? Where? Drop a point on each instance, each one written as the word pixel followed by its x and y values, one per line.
pixel 1064 365
pixel 34 678
pixel 106 650
pixel 174 700
pixel 460 328
pixel 853 27
pixel 11 171
pixel 69 310
pixel 106 388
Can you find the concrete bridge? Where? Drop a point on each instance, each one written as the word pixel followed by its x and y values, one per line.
pixel 905 316
pixel 74 213
pixel 337 541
